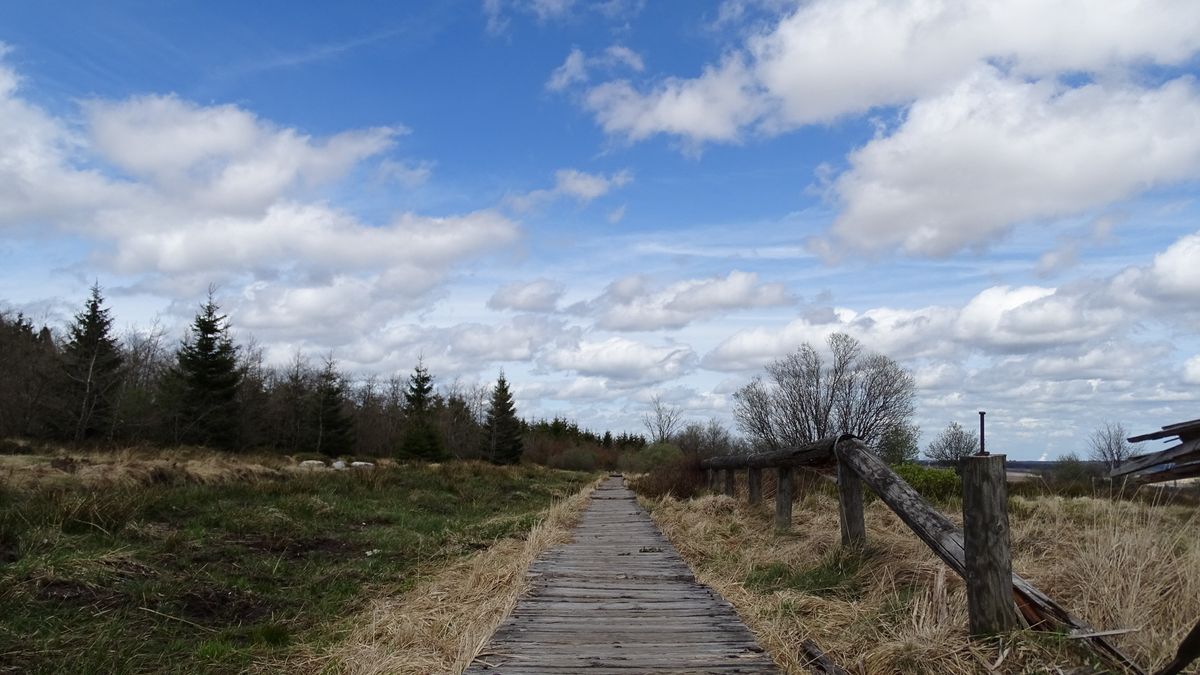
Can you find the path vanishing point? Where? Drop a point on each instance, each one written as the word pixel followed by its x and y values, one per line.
pixel 619 599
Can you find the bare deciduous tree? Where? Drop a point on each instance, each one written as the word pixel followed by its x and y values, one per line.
pixel 953 444
pixel 1107 444
pixel 662 420
pixel 809 397
pixel 755 412
pixel 706 440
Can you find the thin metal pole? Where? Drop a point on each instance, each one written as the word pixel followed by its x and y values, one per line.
pixel 982 444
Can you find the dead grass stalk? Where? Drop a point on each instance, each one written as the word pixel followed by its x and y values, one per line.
pixel 443 623
pixel 895 609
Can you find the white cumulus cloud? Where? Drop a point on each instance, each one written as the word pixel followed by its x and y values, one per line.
pixel 540 295
pixel 964 166
pixel 1191 370
pixel 620 358
pixel 632 304
pixel 830 58
pixel 222 156
pixel 581 186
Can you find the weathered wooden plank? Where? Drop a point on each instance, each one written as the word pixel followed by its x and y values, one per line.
pixel 1180 471
pixel 754 485
pixel 543 604
pixel 1180 453
pixel 987 554
pixel 613 669
pixel 946 540
pixel 1189 650
pixel 617 659
pixel 817 661
pixel 661 644
pixel 816 452
pixel 783 499
pixel 619 599
pixel 850 507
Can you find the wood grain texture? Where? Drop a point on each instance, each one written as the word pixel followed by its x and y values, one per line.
pixel 818 662
pixel 619 599
pixel 783 499
pixel 850 507
pixel 987 553
pixel 754 485
pixel 946 540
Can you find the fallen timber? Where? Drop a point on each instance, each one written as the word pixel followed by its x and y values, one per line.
pixel 1178 462
pixel 937 531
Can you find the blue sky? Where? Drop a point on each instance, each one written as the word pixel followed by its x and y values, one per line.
pixel 615 200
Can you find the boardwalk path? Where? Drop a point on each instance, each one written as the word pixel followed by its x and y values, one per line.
pixel 619 599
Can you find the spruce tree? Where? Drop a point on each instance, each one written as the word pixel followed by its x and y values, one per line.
pixel 502 429
pixel 206 379
pixel 335 430
pixel 420 439
pixel 93 364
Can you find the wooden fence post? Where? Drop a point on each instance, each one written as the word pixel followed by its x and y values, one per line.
pixel 754 485
pixel 783 500
pixel 850 507
pixel 986 547
pixel 731 482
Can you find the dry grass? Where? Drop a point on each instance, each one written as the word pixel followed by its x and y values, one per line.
pixel 141 466
pixel 441 624
pixel 897 609
pixel 201 562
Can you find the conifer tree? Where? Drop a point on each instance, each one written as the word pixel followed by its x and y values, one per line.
pixel 206 380
pixel 502 429
pixel 93 363
pixel 335 431
pixel 30 377
pixel 420 439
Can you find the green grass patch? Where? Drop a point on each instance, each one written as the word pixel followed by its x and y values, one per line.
pixel 836 575
pixel 212 578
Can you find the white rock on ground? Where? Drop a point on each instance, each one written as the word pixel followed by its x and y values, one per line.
pixel 312 464
pixel 339 465
pixel 362 465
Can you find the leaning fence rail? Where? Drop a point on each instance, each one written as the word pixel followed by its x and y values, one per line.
pixel 998 599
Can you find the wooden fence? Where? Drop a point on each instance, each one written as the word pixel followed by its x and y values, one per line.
pixel 997 599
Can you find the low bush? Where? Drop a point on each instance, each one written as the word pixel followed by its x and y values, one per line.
pixel 936 485
pixel 575 458
pixel 12 446
pixel 680 477
pixel 650 458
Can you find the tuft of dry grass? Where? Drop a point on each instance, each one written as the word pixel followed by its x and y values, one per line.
pixel 139 466
pixel 230 575
pixel 895 608
pixel 441 624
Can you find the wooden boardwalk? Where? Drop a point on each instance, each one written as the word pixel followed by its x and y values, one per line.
pixel 619 599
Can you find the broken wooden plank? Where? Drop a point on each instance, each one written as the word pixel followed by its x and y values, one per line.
pixel 1189 650
pixel 1180 453
pixel 817 452
pixel 817 661
pixel 946 540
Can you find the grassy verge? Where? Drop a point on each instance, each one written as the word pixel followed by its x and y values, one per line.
pixel 440 625
pixel 175 575
pixel 895 608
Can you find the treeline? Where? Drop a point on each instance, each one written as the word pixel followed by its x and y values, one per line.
pixel 87 386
